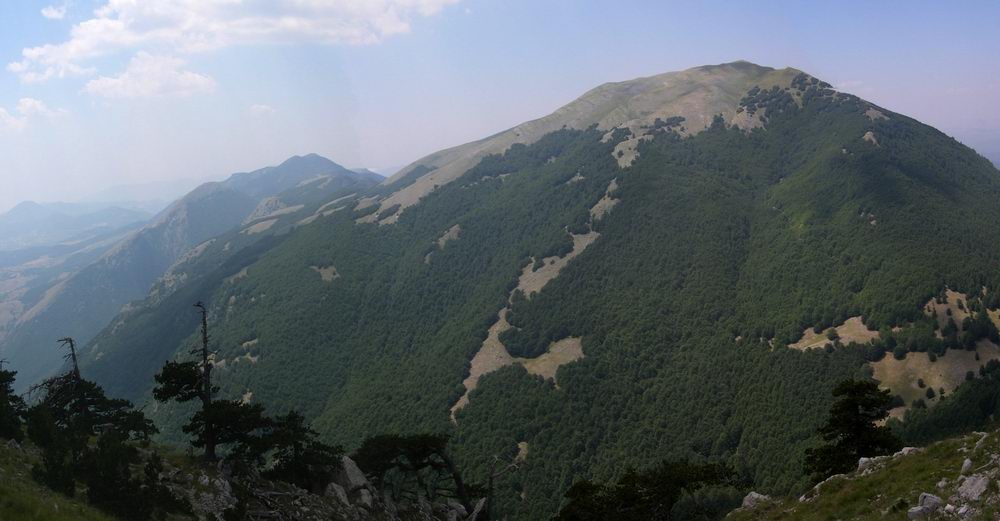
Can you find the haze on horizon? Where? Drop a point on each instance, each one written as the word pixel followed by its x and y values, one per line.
pixel 98 93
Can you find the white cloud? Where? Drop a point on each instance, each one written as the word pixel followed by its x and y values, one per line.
pixel 54 13
pixel 151 76
pixel 25 110
pixel 260 110
pixel 191 26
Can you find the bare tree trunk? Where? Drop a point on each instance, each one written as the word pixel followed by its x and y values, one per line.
pixel 69 342
pixel 206 386
pixel 463 496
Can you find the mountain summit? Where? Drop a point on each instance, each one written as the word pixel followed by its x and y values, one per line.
pixel 676 267
pixel 697 95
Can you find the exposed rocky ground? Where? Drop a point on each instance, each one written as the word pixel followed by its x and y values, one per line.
pixel 953 479
pixel 217 492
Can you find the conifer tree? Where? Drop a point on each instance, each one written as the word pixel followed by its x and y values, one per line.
pixel 12 406
pixel 852 430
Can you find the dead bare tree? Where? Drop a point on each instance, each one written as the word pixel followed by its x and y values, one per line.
pixel 71 356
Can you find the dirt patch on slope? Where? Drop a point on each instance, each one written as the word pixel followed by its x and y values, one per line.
pixel 606 203
pixel 453 233
pixel 260 227
pixel 947 372
pixel 874 114
pixel 328 273
pixel 852 330
pixel 533 281
pixel 955 306
pixel 492 356
pixel 239 276
pixel 557 355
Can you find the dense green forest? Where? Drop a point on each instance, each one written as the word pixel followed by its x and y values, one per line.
pixel 724 246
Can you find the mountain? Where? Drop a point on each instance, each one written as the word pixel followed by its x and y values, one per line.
pixel 80 303
pixel 31 224
pixel 674 267
pixel 155 195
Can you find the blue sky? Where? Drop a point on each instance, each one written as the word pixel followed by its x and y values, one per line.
pixel 102 92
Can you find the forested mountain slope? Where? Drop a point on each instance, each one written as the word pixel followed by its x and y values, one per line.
pixel 83 302
pixel 614 296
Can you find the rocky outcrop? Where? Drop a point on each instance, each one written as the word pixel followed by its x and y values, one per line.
pixel 753 500
pixel 212 492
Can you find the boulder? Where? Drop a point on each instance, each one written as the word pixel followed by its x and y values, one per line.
pixel 965 512
pixel 753 500
pixel 918 513
pixel 478 510
pixel 906 451
pixel 457 507
pixel 350 476
pixel 365 499
pixel 973 487
pixel 338 492
pixel 982 439
pixel 864 463
pixel 966 466
pixel 930 501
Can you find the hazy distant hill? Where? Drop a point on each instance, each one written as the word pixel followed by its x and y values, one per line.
pixel 640 275
pixel 32 224
pixel 81 302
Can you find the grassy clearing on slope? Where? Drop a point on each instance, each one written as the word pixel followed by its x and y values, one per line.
pixel 22 499
pixel 947 372
pixel 852 330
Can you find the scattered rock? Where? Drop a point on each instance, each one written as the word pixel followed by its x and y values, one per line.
pixel 918 513
pixel 906 451
pixel 753 500
pixel 966 466
pixel 965 512
pixel 942 484
pixel 930 501
pixel 973 487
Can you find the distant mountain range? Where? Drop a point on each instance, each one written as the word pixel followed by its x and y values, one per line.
pixel 32 224
pixel 79 300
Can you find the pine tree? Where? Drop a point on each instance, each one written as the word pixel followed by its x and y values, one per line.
pixel 851 432
pixel 187 381
pixel 12 406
